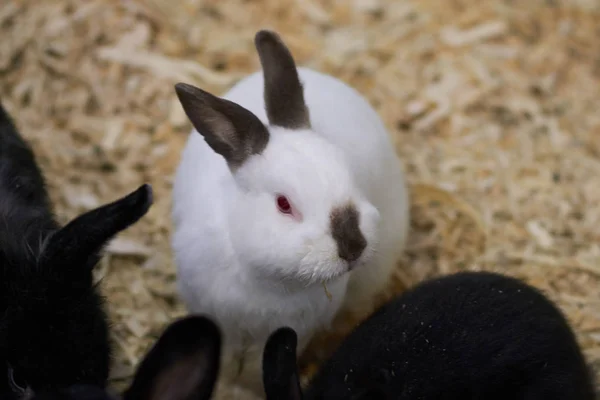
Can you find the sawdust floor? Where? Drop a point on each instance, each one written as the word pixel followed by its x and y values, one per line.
pixel 493 106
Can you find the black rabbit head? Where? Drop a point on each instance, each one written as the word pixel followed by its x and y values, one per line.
pixel 182 365
pixel 53 327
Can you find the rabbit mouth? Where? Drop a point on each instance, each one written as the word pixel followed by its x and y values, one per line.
pixel 344 268
pixel 318 279
pixel 358 263
pixel 351 265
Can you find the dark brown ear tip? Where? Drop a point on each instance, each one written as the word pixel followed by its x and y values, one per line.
pixel 266 37
pixel 190 95
pixel 184 88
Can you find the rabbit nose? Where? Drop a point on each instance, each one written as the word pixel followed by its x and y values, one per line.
pixel 352 251
pixel 346 232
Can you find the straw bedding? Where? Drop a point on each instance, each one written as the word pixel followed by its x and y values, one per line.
pixel 492 105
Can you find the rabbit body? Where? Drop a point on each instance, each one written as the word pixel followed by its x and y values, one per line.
pixel 253 269
pixel 225 285
pixel 53 327
pixel 471 335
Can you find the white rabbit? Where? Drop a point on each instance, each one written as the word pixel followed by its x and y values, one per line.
pixel 286 184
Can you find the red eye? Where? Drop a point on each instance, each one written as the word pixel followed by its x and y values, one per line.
pixel 284 205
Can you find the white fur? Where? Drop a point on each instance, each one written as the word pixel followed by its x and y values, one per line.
pixel 254 269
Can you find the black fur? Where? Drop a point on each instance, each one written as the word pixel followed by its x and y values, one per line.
pixel 53 328
pixel 280 372
pixel 77 392
pixel 466 336
pixel 183 364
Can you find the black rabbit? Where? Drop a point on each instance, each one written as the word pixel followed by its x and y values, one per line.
pixel 182 365
pixel 466 336
pixel 53 327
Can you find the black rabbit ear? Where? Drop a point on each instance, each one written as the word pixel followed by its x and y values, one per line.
pixel 182 365
pixel 283 91
pixel 280 371
pixel 82 239
pixel 228 128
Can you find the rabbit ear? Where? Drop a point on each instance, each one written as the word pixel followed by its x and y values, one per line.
pixel 228 128
pixel 280 372
pixel 182 365
pixel 82 239
pixel 284 95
